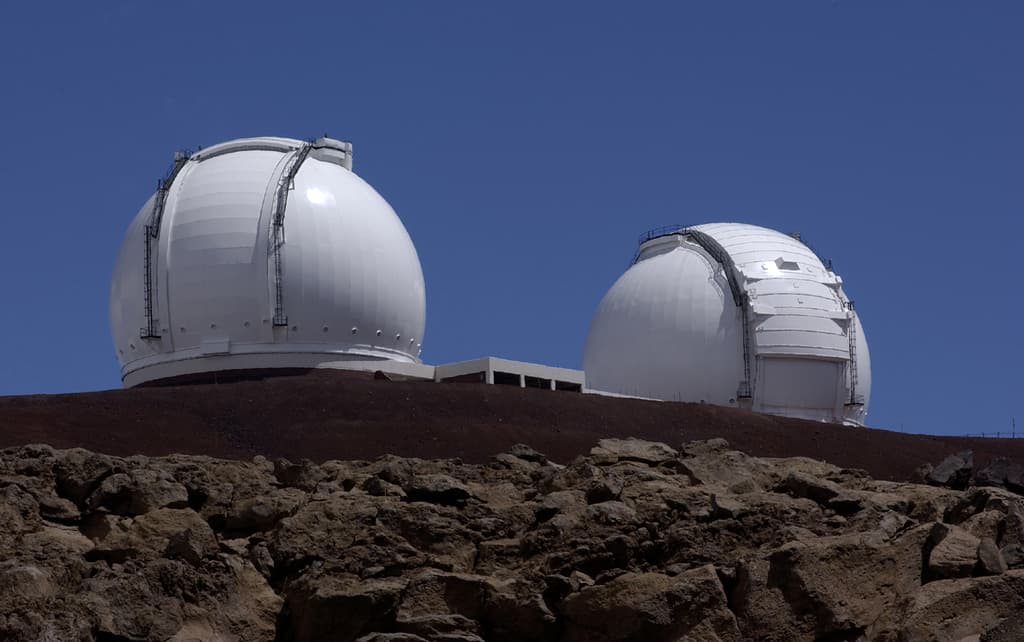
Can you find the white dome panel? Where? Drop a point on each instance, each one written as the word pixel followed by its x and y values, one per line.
pixel 667 314
pixel 350 284
pixel 731 314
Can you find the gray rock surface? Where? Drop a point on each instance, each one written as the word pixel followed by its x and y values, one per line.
pixel 1003 473
pixel 638 541
pixel 953 471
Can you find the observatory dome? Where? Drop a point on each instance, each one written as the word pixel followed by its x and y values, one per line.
pixel 264 253
pixel 734 315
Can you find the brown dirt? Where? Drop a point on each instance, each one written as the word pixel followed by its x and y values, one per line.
pixel 336 415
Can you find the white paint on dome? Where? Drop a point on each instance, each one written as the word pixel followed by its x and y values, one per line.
pixel 670 327
pixel 347 262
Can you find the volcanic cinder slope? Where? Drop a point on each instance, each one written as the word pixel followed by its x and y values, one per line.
pixel 342 415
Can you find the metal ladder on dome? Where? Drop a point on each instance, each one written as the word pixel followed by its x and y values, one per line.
pixel 855 399
pixel 284 185
pixel 151 233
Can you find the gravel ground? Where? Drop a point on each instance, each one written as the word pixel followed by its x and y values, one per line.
pixel 323 415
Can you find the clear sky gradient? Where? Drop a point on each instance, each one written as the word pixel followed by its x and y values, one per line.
pixel 525 147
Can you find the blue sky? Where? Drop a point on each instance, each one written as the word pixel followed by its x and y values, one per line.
pixel 527 145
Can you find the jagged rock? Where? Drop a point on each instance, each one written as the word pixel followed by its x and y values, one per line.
pixel 25 580
pixel 652 453
pixel 436 489
pixel 711 463
pixel 1010 629
pixel 497 554
pixel 603 490
pixel 1013 527
pixel 448 627
pixel 821 491
pixel 920 474
pixel 319 529
pixel 990 560
pixel 566 502
pixel 705 448
pixel 979 499
pixel 19 511
pixel 434 592
pixel 954 471
pixel 516 610
pixel 327 607
pixel 957 609
pixel 262 513
pixel 954 552
pixel 524 452
pixel 987 523
pixel 79 472
pixel 612 513
pixel 380 488
pixel 1003 473
pixel 700 545
pixel 65 540
pixel 304 475
pixel 1013 555
pixel 395 470
pixel 150 535
pixel 651 606
pixel 511 610
pixel 919 502
pixel 138 492
pixel 846 585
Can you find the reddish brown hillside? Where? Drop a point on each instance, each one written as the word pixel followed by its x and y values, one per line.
pixel 333 415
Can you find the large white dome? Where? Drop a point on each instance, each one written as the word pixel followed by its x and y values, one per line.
pixel 264 253
pixel 733 315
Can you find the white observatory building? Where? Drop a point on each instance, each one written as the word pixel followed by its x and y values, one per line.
pixel 264 253
pixel 733 315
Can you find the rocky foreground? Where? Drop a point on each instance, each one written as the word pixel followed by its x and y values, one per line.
pixel 637 541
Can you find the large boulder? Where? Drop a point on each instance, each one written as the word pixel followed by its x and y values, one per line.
pixel 960 608
pixel 953 553
pixel 263 512
pixel 652 607
pixel 322 606
pixel 1002 472
pixel 849 584
pixel 166 532
pixel 652 453
pixel 953 472
pixel 137 492
pixel 436 489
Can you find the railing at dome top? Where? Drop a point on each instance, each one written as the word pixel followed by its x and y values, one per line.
pixel 668 230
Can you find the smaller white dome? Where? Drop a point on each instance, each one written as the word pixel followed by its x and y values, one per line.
pixel 733 315
pixel 264 253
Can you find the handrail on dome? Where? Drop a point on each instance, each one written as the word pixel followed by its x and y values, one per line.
pixel 664 230
pixel 151 233
pixel 284 185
